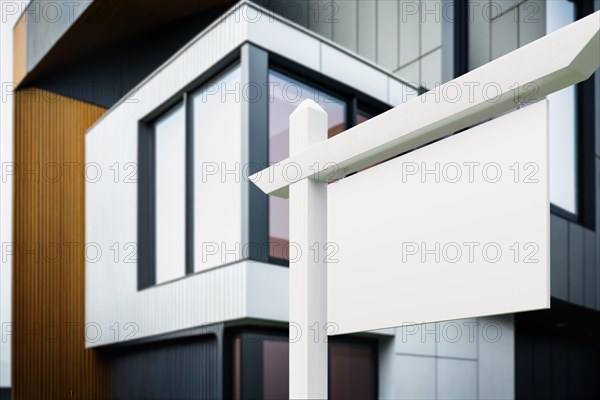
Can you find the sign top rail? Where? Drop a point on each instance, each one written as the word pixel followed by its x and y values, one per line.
pixel 558 60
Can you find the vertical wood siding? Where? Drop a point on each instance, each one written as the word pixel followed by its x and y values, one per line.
pixel 49 355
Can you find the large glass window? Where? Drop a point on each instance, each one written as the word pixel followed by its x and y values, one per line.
pixel 562 119
pixel 169 141
pixel 217 137
pixel 286 95
pixel 190 186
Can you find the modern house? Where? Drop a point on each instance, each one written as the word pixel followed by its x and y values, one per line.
pixel 138 261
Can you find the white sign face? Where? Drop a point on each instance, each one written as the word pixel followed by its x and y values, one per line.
pixel 456 229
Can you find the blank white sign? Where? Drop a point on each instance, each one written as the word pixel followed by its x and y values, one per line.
pixel 456 229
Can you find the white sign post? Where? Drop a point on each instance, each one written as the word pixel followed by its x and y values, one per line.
pixel 415 252
pixel 308 274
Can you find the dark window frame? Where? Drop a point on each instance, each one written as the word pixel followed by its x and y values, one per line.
pixel 146 185
pixel 354 100
pixel 585 142
pixel 585 100
pixel 147 189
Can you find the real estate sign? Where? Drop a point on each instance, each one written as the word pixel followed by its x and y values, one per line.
pixel 456 229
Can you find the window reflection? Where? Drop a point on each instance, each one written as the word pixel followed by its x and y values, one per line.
pixel 169 140
pixel 217 122
pixel 286 94
pixel 563 142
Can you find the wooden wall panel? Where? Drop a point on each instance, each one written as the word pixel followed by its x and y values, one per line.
pixel 49 355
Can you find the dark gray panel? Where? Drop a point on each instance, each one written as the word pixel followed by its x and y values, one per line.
pixel 367 29
pixel 146 271
pixel 47 21
pixel 575 264
pixel 183 369
pixel 589 268
pixel 597 266
pixel 109 73
pixel 559 261
pixel 255 72
pixel 4 394
pixel 597 102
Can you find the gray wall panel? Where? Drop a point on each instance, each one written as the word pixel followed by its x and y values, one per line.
pixel 387 34
pixel 559 257
pixel 479 35
pixel 495 369
pixel 321 17
pixel 532 21
pixel 590 268
pixel 505 33
pixel 575 264
pixel 456 379
pixel 431 28
pixel 410 33
pixel 46 23
pixel 367 29
pixel 345 26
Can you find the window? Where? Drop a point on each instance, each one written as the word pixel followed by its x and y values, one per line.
pixel 217 130
pixel 352 369
pixel 362 116
pixel 562 121
pixel 287 94
pixel 258 366
pixel 189 182
pixel 170 177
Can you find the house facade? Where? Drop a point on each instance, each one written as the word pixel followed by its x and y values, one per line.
pixel 142 263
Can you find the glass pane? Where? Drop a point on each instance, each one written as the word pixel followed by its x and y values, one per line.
pixel 286 94
pixel 351 371
pixel 563 138
pixel 169 139
pixel 361 117
pixel 217 116
pixel 275 370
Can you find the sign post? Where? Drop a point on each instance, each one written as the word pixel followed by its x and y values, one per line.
pixel 308 273
pixel 407 252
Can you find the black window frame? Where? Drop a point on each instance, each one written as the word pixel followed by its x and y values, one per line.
pixel 585 144
pixel 146 185
pixel 354 99
pixel 585 105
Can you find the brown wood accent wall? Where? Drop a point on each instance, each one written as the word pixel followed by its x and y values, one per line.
pixel 49 358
